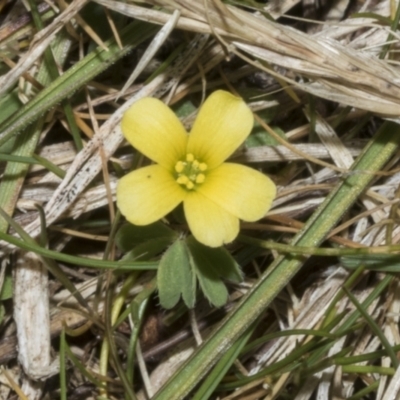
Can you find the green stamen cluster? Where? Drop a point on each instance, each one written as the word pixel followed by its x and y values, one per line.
pixel 189 173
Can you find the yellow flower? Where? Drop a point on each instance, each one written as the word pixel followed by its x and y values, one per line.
pixel 191 168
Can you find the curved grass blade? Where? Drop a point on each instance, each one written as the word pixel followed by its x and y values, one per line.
pixel 123 265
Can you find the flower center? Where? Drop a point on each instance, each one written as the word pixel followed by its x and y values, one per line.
pixel 189 172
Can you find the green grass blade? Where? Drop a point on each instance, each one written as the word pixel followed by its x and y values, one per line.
pixel 374 327
pixel 63 367
pixel 51 65
pixel 363 393
pixel 367 369
pixel 214 378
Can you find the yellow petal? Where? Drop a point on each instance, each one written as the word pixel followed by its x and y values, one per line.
pixel 148 194
pixel 152 128
pixel 209 223
pixel 242 191
pixel 223 123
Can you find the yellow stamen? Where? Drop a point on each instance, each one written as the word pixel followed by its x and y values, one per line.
pixel 200 178
pixel 202 166
pixel 189 185
pixel 188 172
pixel 183 180
pixel 179 167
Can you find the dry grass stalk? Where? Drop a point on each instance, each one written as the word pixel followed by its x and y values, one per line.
pixel 337 72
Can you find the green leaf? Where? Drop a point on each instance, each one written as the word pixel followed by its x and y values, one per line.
pixel 129 236
pixel 218 260
pixel 175 277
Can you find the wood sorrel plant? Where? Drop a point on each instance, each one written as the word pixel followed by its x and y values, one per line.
pixel 215 195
